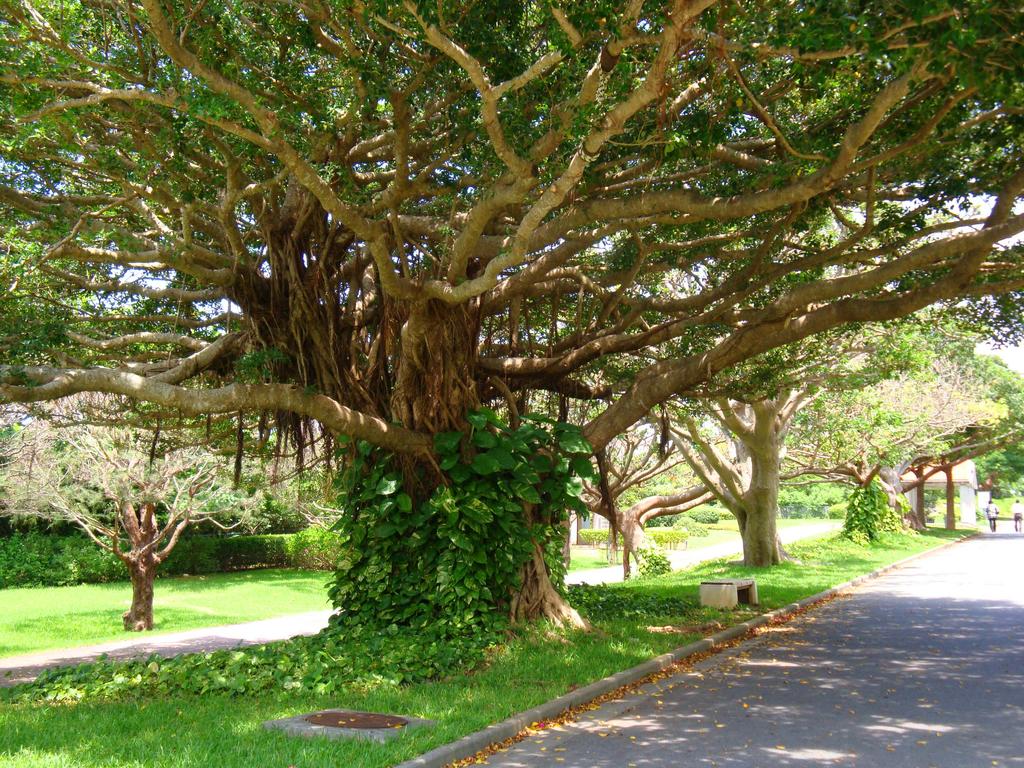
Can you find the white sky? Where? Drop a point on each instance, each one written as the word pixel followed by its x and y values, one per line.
pixel 1012 356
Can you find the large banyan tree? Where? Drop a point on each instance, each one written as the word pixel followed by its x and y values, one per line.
pixel 377 216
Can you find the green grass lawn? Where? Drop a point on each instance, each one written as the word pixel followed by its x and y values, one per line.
pixel 728 530
pixel 588 558
pixel 187 732
pixel 42 618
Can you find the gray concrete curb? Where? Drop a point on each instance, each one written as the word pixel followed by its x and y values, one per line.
pixel 472 743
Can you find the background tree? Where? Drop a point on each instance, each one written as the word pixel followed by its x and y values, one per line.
pixel 735 443
pixel 740 463
pixel 377 217
pixel 956 407
pixel 633 460
pixel 1002 471
pixel 106 484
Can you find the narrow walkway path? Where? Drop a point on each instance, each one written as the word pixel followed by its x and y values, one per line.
pixel 687 558
pixel 21 669
pixel 923 667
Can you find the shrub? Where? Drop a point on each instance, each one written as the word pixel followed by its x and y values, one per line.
pixel 868 514
pixel 85 563
pixel 693 529
pixel 653 562
pixel 665 521
pixel 799 511
pixel 272 515
pixel 315 549
pixel 704 515
pixel 668 537
pixel 39 560
pixel 810 501
pixel 22 561
pixel 837 511
pixel 193 555
pixel 44 560
pixel 236 553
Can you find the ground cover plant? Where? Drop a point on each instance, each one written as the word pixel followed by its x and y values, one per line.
pixel 35 619
pixel 636 621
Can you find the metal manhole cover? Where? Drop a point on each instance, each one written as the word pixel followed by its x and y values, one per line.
pixel 361 720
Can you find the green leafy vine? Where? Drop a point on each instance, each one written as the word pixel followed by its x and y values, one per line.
pixel 868 514
pixel 455 556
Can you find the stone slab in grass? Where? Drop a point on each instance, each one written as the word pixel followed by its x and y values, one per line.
pixel 346 724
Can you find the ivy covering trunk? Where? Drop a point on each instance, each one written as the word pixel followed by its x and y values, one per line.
pixel 473 540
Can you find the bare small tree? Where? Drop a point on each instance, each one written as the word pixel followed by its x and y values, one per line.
pixel 632 460
pixel 126 500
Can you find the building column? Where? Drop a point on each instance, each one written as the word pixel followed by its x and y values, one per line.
pixel 911 497
pixel 968 506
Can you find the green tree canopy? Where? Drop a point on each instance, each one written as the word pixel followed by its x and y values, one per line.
pixel 396 206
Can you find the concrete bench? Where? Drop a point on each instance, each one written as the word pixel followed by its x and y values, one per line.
pixel 728 593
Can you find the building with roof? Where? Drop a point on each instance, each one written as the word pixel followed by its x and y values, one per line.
pixel 964 478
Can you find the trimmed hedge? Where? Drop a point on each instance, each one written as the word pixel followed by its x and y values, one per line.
pixel 665 537
pixel 837 511
pixel 240 553
pixel 694 529
pixel 316 549
pixel 595 536
pixel 39 560
pixel 670 538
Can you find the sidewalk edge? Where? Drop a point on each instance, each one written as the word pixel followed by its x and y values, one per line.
pixel 472 743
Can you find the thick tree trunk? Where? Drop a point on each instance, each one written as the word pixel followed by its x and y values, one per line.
pixel 920 516
pixel 139 617
pixel 435 384
pixel 537 597
pixel 434 388
pixel 892 484
pixel 140 525
pixel 760 535
pixel 950 500
pixel 633 538
pixel 889 479
pixel 761 505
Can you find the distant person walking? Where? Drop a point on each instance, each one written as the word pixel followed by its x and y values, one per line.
pixel 1018 515
pixel 992 512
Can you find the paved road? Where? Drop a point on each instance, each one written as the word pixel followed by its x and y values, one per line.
pixel 922 667
pixel 689 557
pixel 21 669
